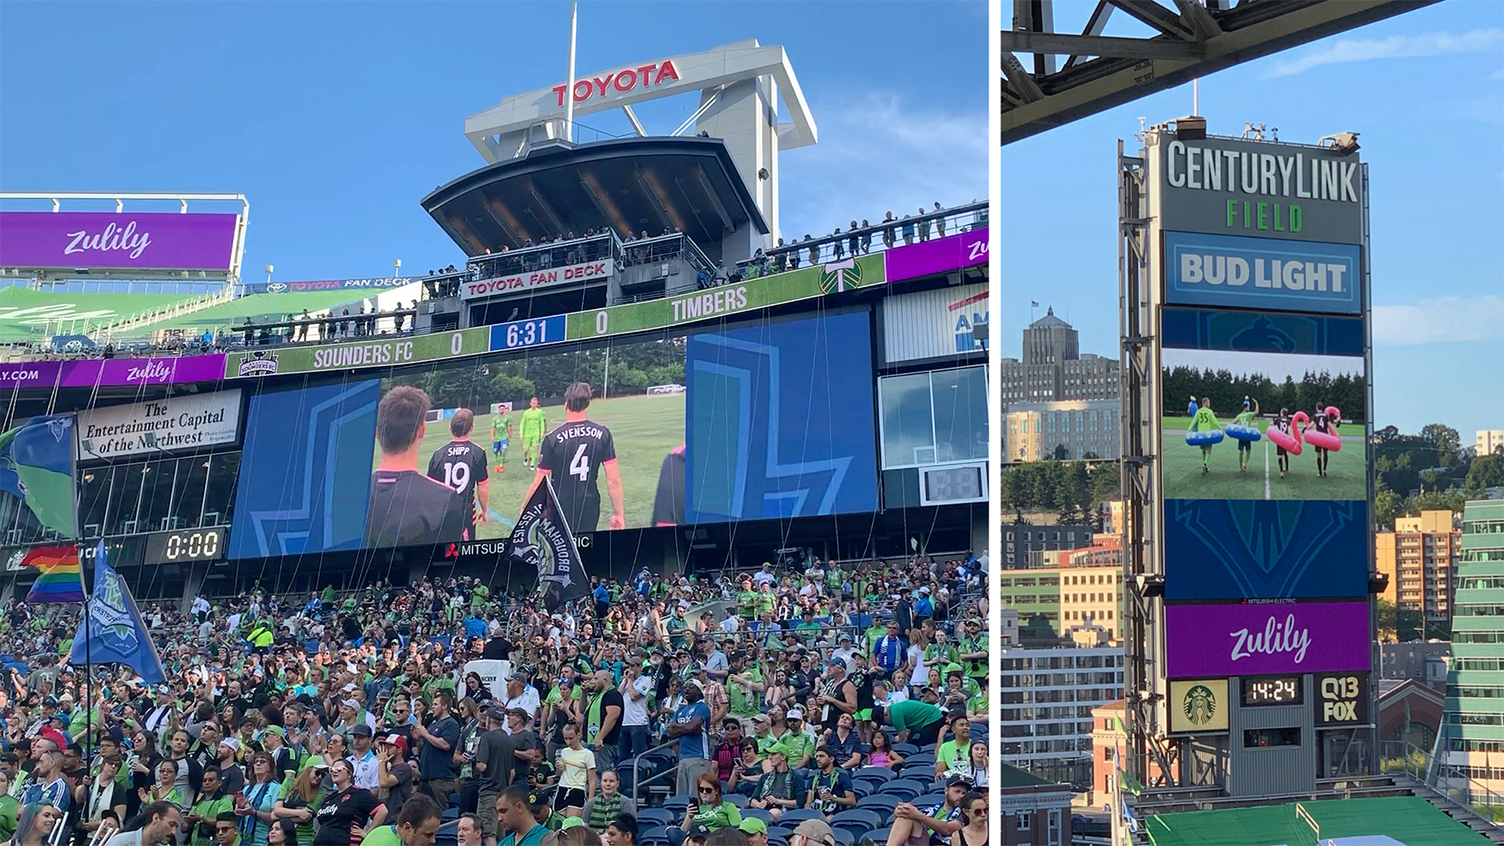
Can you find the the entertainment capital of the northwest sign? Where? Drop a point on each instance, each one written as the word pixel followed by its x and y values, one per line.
pixel 1261 189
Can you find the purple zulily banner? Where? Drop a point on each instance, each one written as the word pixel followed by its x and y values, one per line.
pixel 1212 641
pixel 939 256
pixel 105 240
pixel 112 372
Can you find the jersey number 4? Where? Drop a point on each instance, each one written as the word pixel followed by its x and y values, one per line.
pixel 457 476
pixel 579 466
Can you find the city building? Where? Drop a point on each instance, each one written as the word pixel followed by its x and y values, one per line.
pixel 1053 367
pixel 1409 711
pixel 1091 589
pixel 1474 721
pixel 1021 540
pixel 1046 701
pixel 1063 429
pixel 1423 661
pixel 1420 558
pixel 1032 810
pixel 1007 623
pixel 1109 739
pixel 1489 441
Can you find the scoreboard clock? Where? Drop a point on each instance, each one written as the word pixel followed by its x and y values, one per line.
pixel 186 546
pixel 954 483
pixel 521 334
pixel 1272 690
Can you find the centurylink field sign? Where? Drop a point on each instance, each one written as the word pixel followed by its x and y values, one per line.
pixel 709 304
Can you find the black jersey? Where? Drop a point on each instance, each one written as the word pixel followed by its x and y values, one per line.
pixel 409 509
pixel 862 681
pixel 573 454
pixel 460 465
pixel 1282 423
pixel 668 502
pixel 1321 422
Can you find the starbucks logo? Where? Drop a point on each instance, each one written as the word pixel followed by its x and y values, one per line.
pixel 1199 705
pixel 840 276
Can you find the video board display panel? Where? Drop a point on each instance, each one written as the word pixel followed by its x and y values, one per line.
pixel 1242 549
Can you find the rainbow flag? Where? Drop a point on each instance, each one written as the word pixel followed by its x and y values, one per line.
pixel 60 579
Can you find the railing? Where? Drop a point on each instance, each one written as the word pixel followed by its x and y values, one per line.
pixel 877 237
pixel 637 781
pixel 1404 757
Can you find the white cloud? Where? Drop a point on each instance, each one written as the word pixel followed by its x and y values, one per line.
pixel 1439 319
pixel 1395 47
pixel 879 153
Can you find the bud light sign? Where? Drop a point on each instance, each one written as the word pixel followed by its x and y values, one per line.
pixel 1232 271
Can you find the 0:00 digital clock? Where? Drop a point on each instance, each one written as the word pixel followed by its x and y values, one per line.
pixel 185 546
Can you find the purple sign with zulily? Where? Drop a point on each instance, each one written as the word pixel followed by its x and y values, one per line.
pixel 941 255
pixel 106 240
pixel 114 372
pixel 1210 641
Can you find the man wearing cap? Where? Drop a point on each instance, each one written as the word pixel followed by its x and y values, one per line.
pixel 812 833
pixel 755 829
pixel 780 789
pixel 800 743
pixel 394 775
pixel 837 695
pixel 931 824
pixel 364 758
pixel 162 712
pixel 603 719
pixel 890 652
pixel 973 653
pixel 691 726
pixel 493 765
pixel 230 773
pixel 284 758
pixel 522 695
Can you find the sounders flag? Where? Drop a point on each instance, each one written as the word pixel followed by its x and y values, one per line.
pixel 542 539
pixel 36 467
pixel 112 631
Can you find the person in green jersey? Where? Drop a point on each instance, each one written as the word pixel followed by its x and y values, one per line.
pixel 913 721
pixel 534 427
pixel 1248 418
pixel 501 435
pixel 1205 421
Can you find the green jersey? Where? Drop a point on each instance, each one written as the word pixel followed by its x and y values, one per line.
pixel 501 426
pixel 534 424
pixel 911 714
pixel 1205 421
pixel 1247 418
pixel 744 700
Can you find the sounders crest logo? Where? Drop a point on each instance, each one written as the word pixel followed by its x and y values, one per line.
pixel 258 363
pixel 840 276
pixel 1199 705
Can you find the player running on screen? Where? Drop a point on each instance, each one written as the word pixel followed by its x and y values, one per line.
pixel 534 427
pixel 501 435
pixel 1248 418
pixel 461 464
pixel 572 456
pixel 407 508
pixel 1323 423
pixel 1283 423
pixel 1205 421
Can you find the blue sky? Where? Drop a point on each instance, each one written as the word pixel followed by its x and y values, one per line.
pixel 336 118
pixel 1426 93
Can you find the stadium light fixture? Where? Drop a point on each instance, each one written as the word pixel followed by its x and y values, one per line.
pixel 1343 143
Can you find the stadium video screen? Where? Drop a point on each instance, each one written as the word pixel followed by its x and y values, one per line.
pixel 782 426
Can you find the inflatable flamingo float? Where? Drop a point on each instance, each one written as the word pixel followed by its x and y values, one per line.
pixel 1326 440
pixel 1290 441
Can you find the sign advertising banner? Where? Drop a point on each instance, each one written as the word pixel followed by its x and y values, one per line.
pixel 1341 699
pixel 941 255
pixel 1215 641
pixel 1199 706
pixel 493 674
pixel 937 323
pixel 377 352
pixel 1250 331
pixel 1261 189
pixel 728 300
pixel 329 285
pixel 113 372
pixel 541 278
pixel 1231 271
pixel 110 241
pixel 187 422
pixel 1263 549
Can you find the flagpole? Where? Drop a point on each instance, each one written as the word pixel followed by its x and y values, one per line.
pixel 83 584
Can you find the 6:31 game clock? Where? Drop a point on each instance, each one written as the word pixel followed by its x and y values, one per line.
pixel 186 546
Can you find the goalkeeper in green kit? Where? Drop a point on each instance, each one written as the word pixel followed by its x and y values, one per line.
pixel 501 435
pixel 534 427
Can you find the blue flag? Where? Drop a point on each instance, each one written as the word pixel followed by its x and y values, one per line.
pixel 112 631
pixel 36 467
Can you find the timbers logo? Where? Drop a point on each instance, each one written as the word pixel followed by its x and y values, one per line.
pixel 840 276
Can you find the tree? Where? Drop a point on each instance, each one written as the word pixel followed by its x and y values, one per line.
pixel 1445 440
pixel 1486 471
pixel 1387 618
pixel 1387 506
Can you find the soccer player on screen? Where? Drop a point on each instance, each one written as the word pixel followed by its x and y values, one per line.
pixel 573 456
pixel 408 508
pixel 534 426
pixel 461 465
pixel 501 435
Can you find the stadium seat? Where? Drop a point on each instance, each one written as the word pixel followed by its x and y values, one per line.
pixel 928 799
pixel 879 802
pixel 649 817
pixel 857 820
pixel 676 804
pixel 447 834
pixel 758 813
pixel 799 815
pixel 871 786
pixel 905 787
pixel 736 799
pixel 844 837
pixel 880 835
pixel 879 773
pixel 906 749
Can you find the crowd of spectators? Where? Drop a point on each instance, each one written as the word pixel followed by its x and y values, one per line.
pixel 824 702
